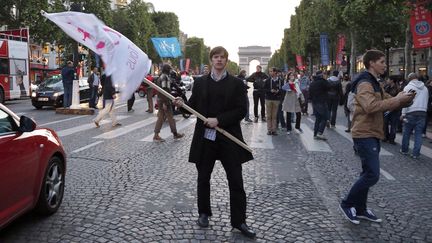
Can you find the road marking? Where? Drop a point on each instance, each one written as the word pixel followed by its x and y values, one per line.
pixel 312 144
pixel 86 147
pixel 63 120
pixel 84 127
pixel 387 175
pixel 423 150
pixel 341 130
pixel 259 137
pixel 126 129
pixel 166 131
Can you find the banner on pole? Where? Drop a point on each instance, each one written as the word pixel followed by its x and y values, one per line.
pixel 167 47
pixel 187 64
pixel 340 46
pixel 299 61
pixel 324 49
pixel 124 61
pixel 421 22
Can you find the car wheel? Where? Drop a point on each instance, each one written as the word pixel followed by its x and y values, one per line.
pixel 51 193
pixel 38 107
pixel 2 97
pixel 141 93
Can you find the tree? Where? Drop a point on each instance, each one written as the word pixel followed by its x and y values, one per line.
pixel 232 67
pixel 194 50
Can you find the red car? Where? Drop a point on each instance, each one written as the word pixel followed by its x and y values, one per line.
pixel 32 167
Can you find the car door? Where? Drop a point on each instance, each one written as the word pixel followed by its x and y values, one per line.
pixel 18 167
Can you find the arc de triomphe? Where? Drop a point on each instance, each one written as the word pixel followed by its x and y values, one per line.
pixel 250 53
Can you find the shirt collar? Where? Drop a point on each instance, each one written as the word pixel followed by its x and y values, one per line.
pixel 215 78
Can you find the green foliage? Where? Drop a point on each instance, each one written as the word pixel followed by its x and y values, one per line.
pixel 194 49
pixel 232 68
pixel 167 24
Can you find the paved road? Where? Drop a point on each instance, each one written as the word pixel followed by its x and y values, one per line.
pixel 122 187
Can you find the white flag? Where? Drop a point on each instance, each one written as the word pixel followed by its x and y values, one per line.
pixel 124 61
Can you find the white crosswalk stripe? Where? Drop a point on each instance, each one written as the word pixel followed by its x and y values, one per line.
pixel 72 130
pixel 312 144
pixel 166 131
pixel 126 129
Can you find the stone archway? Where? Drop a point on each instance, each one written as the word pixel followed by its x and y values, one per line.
pixel 249 53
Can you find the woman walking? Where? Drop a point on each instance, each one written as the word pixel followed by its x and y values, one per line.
pixel 291 102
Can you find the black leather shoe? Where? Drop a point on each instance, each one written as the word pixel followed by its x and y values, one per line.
pixel 246 231
pixel 203 220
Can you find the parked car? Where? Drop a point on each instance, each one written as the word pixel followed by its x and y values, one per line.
pixel 32 167
pixel 50 92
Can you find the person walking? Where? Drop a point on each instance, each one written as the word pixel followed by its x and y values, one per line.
pixel 242 76
pixel 292 102
pixel 221 98
pixel 318 92
pixel 130 103
pixel 391 118
pixel 149 93
pixel 414 116
pixel 109 96
pixel 94 82
pixel 165 109
pixel 68 75
pixel 347 84
pixel 272 87
pixel 369 104
pixel 304 83
pixel 258 79
pixel 335 95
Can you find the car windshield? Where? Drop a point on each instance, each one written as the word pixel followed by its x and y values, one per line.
pixel 54 82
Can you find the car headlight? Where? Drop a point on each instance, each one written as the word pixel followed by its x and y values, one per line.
pixel 33 94
pixel 56 94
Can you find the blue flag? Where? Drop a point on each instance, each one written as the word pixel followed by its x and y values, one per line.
pixel 324 49
pixel 167 47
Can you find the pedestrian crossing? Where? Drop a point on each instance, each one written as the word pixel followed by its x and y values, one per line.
pixel 166 132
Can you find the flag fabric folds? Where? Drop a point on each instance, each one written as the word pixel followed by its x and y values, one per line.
pixel 167 47
pixel 124 61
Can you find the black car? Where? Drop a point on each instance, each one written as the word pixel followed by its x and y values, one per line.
pixel 50 92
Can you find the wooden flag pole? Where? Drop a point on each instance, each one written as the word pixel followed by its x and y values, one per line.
pixel 203 118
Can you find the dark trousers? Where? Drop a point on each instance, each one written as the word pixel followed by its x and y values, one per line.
pixel 93 96
pixel 259 96
pixel 130 102
pixel 390 124
pixel 67 96
pixel 332 107
pixel 280 116
pixel 368 149
pixel 305 105
pixel 321 116
pixel 288 120
pixel 233 172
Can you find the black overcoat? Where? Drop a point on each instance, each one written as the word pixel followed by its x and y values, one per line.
pixel 234 110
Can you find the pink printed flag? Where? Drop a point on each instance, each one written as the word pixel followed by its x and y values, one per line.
pixel 124 61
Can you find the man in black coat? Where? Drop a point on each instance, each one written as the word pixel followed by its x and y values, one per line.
pixel 318 91
pixel 222 99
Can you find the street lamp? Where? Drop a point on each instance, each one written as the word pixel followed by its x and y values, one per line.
pixel 414 54
pixel 387 41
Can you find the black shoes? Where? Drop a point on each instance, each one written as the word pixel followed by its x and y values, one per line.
pixel 203 220
pixel 246 231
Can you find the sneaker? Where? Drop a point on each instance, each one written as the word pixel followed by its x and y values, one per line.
pixel 178 135
pixel 348 130
pixel 96 123
pixel 321 137
pixel 248 120
pixel 274 133
pixel 369 215
pixel 402 152
pixel 414 156
pixel 288 132
pixel 117 125
pixel 269 133
pixel 315 137
pixel 156 138
pixel 299 130
pixel 263 119
pixel 350 214
pixel 255 119
pixel 328 124
pixel 423 135
pixel 131 110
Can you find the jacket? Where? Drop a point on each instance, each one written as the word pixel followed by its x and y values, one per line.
pixel 335 88
pixel 258 79
pixel 318 90
pixel 370 103
pixel 269 85
pixel 107 87
pixel 420 102
pixel 68 75
pixel 234 110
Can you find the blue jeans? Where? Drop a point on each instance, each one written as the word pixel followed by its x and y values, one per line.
pixel 67 96
pixel 414 122
pixel 368 150
pixel 390 124
pixel 321 116
pixel 332 107
pixel 93 96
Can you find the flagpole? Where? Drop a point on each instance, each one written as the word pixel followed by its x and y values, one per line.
pixel 203 118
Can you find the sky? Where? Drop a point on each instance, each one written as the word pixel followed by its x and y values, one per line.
pixel 232 23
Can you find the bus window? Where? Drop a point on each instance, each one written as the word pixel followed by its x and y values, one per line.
pixel 4 66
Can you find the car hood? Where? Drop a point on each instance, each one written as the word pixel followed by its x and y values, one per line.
pixel 49 90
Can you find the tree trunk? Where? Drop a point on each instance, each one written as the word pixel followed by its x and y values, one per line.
pixel 407 50
pixel 353 54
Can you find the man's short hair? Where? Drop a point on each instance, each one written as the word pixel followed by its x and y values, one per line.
pixel 372 56
pixel 412 76
pixel 217 50
pixel 69 62
pixel 335 73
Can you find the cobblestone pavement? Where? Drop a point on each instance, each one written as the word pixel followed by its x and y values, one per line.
pixel 127 190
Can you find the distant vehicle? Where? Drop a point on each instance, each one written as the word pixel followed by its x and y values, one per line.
pixel 32 167
pixel 50 92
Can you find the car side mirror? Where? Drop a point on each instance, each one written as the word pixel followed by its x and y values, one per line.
pixel 26 124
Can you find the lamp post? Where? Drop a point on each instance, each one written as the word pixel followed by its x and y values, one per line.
pixel 414 54
pixel 387 41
